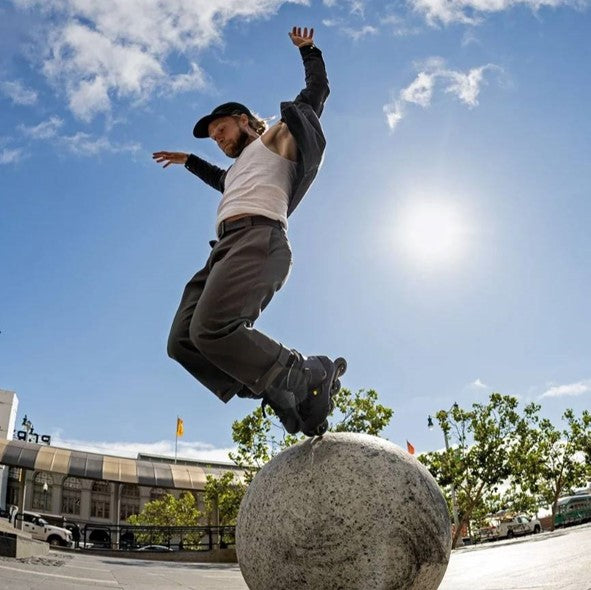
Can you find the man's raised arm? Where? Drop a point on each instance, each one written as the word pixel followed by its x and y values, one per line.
pixel 316 91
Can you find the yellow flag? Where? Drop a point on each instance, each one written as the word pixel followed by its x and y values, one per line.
pixel 180 429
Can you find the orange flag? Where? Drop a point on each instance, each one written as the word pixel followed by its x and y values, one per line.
pixel 180 427
pixel 410 448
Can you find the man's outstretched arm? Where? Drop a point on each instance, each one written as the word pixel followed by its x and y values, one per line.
pixel 207 172
pixel 316 91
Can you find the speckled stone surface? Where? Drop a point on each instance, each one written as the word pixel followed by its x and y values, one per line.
pixel 343 512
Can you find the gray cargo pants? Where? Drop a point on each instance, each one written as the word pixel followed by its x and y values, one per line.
pixel 212 334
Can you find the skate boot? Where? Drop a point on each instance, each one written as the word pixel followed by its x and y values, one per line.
pixel 323 384
pixel 286 393
pixel 302 395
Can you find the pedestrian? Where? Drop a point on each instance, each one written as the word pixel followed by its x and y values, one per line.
pixel 213 335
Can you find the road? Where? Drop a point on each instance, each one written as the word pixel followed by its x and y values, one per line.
pixel 549 561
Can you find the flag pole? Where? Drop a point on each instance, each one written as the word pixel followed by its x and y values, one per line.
pixel 176 438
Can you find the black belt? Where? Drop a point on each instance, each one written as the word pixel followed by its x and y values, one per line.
pixel 226 227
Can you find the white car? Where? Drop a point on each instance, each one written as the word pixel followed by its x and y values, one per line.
pixel 507 526
pixel 40 529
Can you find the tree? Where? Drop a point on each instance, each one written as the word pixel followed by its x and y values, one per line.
pixel 555 460
pixel 480 456
pixel 223 496
pixel 258 439
pixel 167 511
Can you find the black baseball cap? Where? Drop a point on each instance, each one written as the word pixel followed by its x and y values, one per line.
pixel 224 110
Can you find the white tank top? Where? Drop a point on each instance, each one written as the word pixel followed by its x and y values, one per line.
pixel 258 183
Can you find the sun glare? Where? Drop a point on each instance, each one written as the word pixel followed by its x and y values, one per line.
pixel 431 232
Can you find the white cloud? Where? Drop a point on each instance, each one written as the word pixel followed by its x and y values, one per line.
pixel 186 450
pixel 355 6
pixel 18 93
pixel 478 384
pixel 45 130
pixel 473 11
pixel 10 155
pixel 84 144
pixel 420 91
pixel 394 114
pixel 465 86
pixel 399 26
pixel 357 34
pixel 571 389
pixel 195 79
pixel 100 52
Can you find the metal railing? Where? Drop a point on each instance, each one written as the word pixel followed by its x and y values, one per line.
pixel 161 538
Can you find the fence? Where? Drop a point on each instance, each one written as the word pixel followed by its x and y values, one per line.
pixel 157 538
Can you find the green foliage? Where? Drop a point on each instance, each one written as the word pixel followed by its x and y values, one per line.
pixel 499 458
pixel 360 412
pixel 555 460
pixel 259 439
pixel 478 455
pixel 167 511
pixel 222 498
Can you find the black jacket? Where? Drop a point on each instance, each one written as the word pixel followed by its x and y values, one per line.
pixel 302 119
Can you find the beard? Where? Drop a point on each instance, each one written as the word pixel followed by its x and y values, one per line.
pixel 233 150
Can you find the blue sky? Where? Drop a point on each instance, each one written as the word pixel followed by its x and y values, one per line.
pixel 443 249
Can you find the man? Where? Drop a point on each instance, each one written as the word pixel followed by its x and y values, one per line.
pixel 212 334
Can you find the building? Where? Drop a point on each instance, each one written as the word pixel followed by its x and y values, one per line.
pixel 8 409
pixel 89 488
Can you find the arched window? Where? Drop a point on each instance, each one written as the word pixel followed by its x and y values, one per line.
pixel 100 500
pixel 42 491
pixel 14 486
pixel 71 492
pixel 130 501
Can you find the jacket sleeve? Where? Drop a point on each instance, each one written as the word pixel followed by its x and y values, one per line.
pixel 207 172
pixel 316 91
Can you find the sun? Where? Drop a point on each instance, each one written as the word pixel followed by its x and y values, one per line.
pixel 431 232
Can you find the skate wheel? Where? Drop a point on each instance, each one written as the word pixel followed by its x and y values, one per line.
pixel 341 365
pixel 320 430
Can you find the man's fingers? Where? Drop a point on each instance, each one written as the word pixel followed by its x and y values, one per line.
pixel 297 32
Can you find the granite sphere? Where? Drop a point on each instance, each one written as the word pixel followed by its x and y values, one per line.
pixel 343 512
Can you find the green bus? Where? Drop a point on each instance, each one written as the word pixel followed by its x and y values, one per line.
pixel 573 510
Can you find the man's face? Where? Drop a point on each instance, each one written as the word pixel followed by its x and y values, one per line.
pixel 229 134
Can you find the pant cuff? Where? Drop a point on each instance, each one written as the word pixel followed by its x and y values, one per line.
pixel 280 364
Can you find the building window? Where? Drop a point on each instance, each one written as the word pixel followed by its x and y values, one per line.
pixel 72 490
pixel 12 493
pixel 14 473
pixel 100 500
pixel 157 493
pixel 130 501
pixel 42 491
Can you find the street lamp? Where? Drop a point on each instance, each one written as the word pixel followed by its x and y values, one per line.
pixel 454 503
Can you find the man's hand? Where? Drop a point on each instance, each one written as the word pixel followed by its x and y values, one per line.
pixel 300 39
pixel 170 158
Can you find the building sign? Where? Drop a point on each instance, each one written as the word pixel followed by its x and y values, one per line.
pixel 33 437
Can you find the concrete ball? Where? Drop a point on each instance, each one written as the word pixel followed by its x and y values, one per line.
pixel 343 512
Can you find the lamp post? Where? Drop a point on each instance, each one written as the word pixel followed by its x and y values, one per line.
pixel 454 503
pixel 28 426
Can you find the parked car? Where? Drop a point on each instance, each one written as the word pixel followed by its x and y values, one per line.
pixel 573 510
pixel 158 548
pixel 507 526
pixel 40 529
